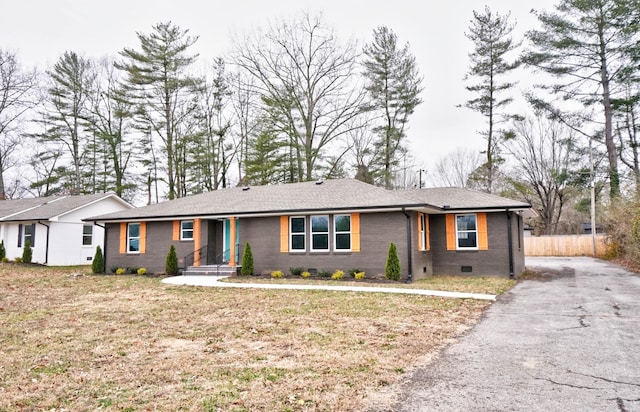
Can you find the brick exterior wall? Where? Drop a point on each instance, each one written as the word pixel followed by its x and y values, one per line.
pixel 492 262
pixel 377 230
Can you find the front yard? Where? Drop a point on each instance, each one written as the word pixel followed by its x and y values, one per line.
pixel 72 341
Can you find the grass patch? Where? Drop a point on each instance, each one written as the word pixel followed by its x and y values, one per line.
pixel 75 341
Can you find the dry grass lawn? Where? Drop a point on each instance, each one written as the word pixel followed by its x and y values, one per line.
pixel 76 342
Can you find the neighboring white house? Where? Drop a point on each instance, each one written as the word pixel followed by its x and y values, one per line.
pixel 55 228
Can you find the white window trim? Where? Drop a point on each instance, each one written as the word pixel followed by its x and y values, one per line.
pixel 133 252
pixel 182 229
pixel 336 233
pixel 291 234
pixel 83 236
pixel 24 235
pixel 458 247
pixel 328 233
pixel 422 228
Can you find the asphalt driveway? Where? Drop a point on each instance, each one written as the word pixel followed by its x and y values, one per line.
pixel 567 342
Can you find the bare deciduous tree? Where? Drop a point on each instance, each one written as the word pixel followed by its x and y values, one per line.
pixel 307 76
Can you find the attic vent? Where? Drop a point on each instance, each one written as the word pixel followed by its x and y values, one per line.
pixel 319 182
pixel 446 206
pixel 244 189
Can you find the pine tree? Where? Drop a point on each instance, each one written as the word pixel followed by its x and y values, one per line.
pixel 97 266
pixel 171 265
pixel 394 87
pixel 392 269
pixel 27 252
pixel 247 261
pixel 491 34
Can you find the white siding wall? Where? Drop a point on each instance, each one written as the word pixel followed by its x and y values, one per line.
pixel 10 237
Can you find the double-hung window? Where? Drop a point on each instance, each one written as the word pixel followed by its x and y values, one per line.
pixel 29 235
pixel 133 238
pixel 422 230
pixel 186 230
pixel 467 231
pixel 319 233
pixel 87 235
pixel 297 236
pixel 342 230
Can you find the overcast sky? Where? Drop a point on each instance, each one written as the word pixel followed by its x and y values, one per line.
pixel 39 31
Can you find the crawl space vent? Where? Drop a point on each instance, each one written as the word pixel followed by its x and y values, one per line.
pixel 466 269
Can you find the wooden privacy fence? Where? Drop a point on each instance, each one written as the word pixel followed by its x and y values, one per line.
pixel 563 245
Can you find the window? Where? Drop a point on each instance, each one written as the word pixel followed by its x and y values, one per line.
pixel 298 234
pixel 27 232
pixel 466 231
pixel 133 238
pixel 87 235
pixel 186 230
pixel 342 229
pixel 422 231
pixel 319 233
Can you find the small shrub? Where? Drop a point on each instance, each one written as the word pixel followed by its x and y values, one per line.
pixel 5 259
pixel 120 271
pixel 18 260
pixel 27 252
pixel 247 261
pixel 3 251
pixel 324 273
pixel 132 271
pixel 97 266
pixel 296 271
pixel 141 271
pixel 171 264
pixel 352 272
pixel 113 269
pixel 277 274
pixel 337 275
pixel 392 269
pixel 358 275
pixel 305 274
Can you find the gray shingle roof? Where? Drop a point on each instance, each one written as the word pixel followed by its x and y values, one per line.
pixel 340 194
pixel 459 198
pixel 45 208
pixel 335 195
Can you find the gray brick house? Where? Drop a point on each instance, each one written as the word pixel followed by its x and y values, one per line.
pixel 325 225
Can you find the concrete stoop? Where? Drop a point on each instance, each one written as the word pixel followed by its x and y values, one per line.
pixel 211 270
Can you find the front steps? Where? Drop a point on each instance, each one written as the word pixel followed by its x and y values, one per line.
pixel 211 270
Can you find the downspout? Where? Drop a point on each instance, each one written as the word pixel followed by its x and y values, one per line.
pixel 104 245
pixel 46 249
pixel 409 249
pixel 510 241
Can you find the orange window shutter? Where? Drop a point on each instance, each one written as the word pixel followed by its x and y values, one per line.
pixel 143 237
pixel 427 234
pixel 284 234
pixel 420 230
pixel 483 237
pixel 123 237
pixel 176 230
pixel 355 232
pixel 451 232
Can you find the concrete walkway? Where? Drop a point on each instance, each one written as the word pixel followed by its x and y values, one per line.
pixel 202 280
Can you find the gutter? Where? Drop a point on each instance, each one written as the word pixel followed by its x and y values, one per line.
pixel 409 248
pixel 104 246
pixel 46 249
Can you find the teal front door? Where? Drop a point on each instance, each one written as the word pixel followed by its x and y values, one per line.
pixel 227 240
